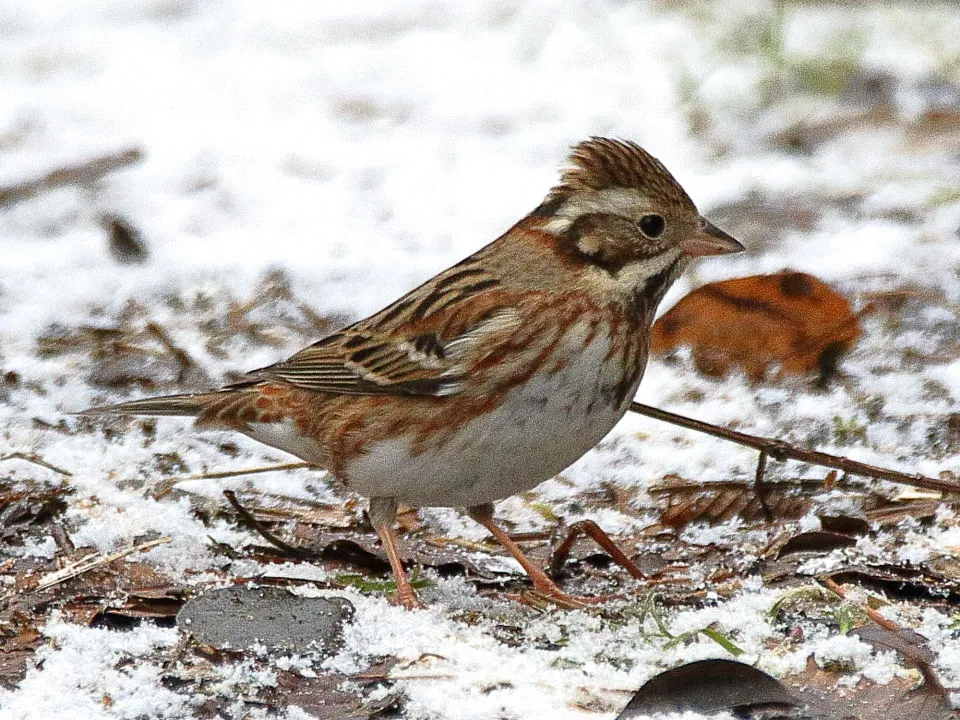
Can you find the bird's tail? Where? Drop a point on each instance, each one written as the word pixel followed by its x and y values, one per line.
pixel 192 405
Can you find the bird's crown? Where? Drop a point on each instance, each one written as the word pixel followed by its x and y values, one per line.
pixel 601 163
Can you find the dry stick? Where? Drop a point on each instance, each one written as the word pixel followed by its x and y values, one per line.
pixel 180 356
pixel 89 562
pixel 760 486
pixel 248 471
pixel 258 527
pixel 166 486
pixel 831 585
pixel 76 174
pixel 782 450
pixel 36 460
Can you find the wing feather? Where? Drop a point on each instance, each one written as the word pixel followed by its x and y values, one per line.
pixel 366 359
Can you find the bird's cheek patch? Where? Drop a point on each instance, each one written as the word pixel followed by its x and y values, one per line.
pixel 589 244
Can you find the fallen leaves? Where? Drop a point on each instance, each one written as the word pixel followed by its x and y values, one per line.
pixel 681 501
pixel 23 507
pixel 93 560
pixel 133 349
pixel 713 686
pixel 817 687
pixel 709 686
pixel 788 323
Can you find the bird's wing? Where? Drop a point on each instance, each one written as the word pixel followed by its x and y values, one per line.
pixel 424 344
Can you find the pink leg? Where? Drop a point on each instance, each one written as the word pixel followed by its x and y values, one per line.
pixel 383 512
pixel 542 583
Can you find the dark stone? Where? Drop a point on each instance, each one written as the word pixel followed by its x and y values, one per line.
pixel 239 617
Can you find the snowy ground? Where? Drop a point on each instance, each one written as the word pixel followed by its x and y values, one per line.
pixel 359 148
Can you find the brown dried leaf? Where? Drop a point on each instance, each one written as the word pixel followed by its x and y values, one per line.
pixel 682 501
pixel 20 509
pixel 15 652
pixel 816 541
pixel 891 515
pixel 340 515
pixel 320 695
pixel 909 643
pixel 149 604
pixel 790 320
pixel 902 583
pixel 899 698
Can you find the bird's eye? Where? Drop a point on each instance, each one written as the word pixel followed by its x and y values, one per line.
pixel 652 225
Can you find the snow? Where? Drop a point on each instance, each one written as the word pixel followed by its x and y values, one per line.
pixel 88 682
pixel 361 147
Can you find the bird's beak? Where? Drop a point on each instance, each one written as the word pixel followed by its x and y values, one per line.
pixel 709 240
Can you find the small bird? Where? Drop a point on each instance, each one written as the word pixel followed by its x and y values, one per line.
pixel 497 373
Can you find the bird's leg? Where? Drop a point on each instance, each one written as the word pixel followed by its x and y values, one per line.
pixel 588 528
pixel 383 513
pixel 542 583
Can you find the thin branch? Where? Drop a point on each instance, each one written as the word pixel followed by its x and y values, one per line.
pixel 258 527
pixel 89 562
pixel 166 486
pixel 36 460
pixel 831 585
pixel 248 471
pixel 180 356
pixel 588 528
pixel 760 486
pixel 782 450
pixel 76 174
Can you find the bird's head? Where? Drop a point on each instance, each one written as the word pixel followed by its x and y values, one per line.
pixel 617 207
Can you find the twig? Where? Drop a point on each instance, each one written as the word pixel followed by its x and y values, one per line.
pixel 76 174
pixel 251 522
pixel 36 460
pixel 879 619
pixel 760 488
pixel 588 528
pixel 85 564
pixel 166 486
pixel 180 356
pixel 782 450
pixel 235 473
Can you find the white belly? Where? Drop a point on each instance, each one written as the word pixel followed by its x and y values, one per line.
pixel 542 427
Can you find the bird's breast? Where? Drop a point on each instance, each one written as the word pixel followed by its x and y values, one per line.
pixel 563 406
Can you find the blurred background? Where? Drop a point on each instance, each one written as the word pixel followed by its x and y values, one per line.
pixel 362 147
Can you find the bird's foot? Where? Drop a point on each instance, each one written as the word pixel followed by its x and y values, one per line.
pixel 406 600
pixel 545 595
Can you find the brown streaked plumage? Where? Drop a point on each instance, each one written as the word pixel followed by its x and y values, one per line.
pixel 497 373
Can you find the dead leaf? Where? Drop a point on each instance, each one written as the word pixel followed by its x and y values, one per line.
pixel 21 509
pixel 709 686
pixel 318 696
pixel 902 583
pixel 16 652
pixel 845 524
pixel 816 541
pixel 892 514
pixel 909 643
pixel 789 320
pixel 683 501
pixel 125 241
pixel 913 647
pixel 818 687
